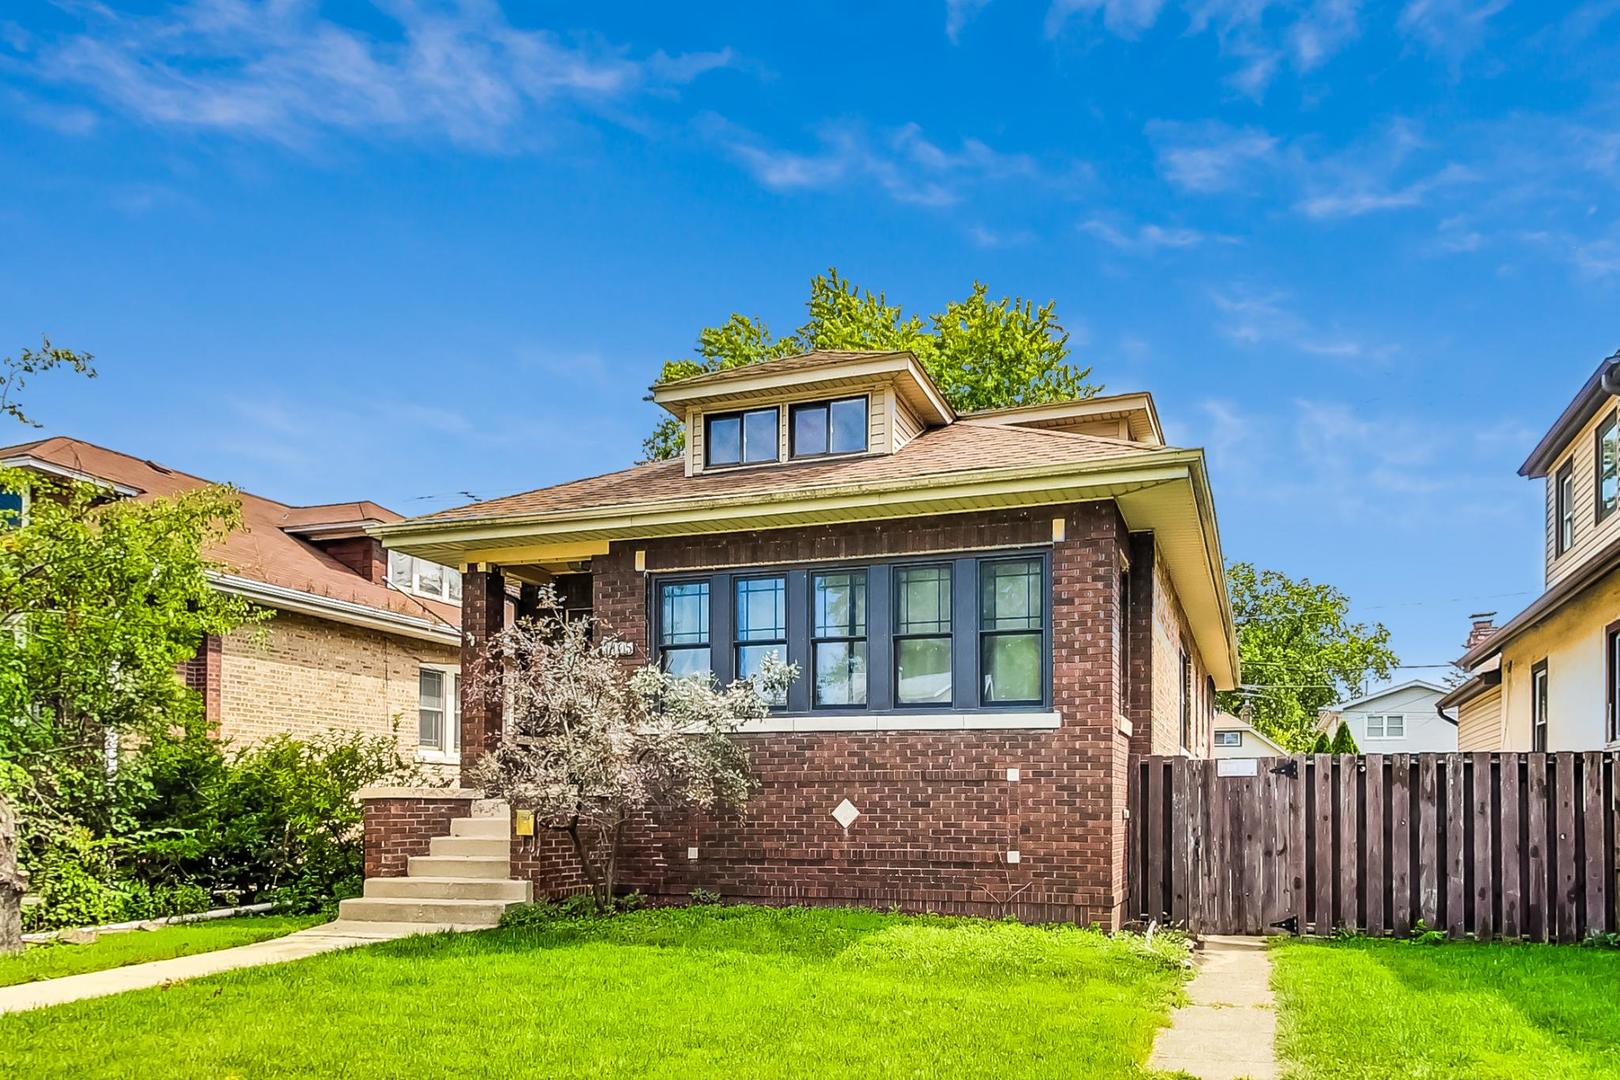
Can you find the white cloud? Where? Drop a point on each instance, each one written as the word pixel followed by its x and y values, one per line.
pixel 902 162
pixel 1452 28
pixel 1210 156
pixel 283 71
pixel 1126 18
pixel 958 13
pixel 1256 318
pixel 1147 239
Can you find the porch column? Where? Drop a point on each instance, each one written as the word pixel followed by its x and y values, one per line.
pixel 483 615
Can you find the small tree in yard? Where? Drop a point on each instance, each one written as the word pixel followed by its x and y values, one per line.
pixel 591 744
pixel 1343 741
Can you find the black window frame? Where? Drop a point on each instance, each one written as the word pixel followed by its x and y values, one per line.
pixel 818 638
pixel 737 641
pixel 741 416
pixel 1540 700
pixel 661 649
pixel 827 403
pixel 1611 424
pixel 986 636
pixel 1564 507
pixel 1611 679
pixel 897 573
pixel 880 612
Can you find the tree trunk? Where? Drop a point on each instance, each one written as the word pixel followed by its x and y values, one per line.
pixel 12 883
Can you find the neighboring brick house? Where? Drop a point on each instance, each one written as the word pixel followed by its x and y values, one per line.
pixel 346 649
pixel 1549 678
pixel 991 613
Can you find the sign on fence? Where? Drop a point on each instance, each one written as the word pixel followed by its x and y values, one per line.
pixel 1492 845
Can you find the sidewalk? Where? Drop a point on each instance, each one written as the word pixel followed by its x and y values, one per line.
pixel 1228 1028
pixel 317 939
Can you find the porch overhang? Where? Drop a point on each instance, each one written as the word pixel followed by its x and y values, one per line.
pixel 1167 493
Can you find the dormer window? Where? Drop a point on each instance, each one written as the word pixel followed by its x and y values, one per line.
pixel 741 438
pixel 822 428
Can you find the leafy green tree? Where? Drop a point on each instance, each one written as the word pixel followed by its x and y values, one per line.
pixel 1321 745
pixel 102 600
pixel 16 370
pixel 983 353
pixel 1343 741
pixel 1300 651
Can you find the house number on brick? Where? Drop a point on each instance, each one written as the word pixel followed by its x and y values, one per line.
pixel 845 814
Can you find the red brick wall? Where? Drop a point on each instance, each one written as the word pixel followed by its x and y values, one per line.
pixel 938 812
pixel 364 555
pixel 483 615
pixel 202 673
pixel 396 829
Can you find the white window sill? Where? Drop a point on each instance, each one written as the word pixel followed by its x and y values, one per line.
pixel 943 721
pixel 438 757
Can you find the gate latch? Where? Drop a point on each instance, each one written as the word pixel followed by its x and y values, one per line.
pixel 1289 768
pixel 1289 925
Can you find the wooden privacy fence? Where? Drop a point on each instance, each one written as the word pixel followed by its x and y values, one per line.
pixel 1494 845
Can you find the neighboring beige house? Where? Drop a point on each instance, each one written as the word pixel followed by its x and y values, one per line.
pixel 1547 679
pixel 361 640
pixel 1399 719
pixel 1236 738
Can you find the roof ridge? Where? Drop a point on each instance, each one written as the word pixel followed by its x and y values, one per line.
pixel 1052 432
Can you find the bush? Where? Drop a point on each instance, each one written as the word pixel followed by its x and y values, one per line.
pixel 1343 741
pixel 184 825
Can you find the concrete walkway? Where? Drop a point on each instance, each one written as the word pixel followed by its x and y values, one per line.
pixel 317 939
pixel 1228 1028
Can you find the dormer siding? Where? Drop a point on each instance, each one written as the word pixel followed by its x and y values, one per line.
pixel 1590 534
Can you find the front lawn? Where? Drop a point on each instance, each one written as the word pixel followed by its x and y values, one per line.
pixel 1379 1008
pixel 53 961
pixel 702 991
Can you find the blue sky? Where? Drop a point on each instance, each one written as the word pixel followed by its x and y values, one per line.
pixel 1363 254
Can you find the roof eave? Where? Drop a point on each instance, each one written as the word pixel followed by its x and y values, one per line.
pixel 1587 401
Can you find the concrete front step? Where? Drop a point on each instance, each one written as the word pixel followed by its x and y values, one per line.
pixel 431 888
pixel 439 912
pixel 489 828
pixel 458 866
pixel 470 845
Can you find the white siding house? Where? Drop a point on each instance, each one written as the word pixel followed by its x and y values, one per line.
pixel 1401 719
pixel 1235 739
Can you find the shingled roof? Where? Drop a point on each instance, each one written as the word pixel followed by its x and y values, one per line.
pixel 261 551
pixel 956 449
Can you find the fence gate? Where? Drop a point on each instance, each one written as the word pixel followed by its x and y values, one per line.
pixel 1507 845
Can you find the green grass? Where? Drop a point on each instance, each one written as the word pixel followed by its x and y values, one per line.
pixel 703 991
pixel 138 946
pixel 1365 1008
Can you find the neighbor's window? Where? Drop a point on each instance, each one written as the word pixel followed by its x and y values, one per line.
pixel 1564 509
pixel 838 645
pixel 439 709
pixel 1608 466
pixel 410 574
pixel 922 635
pixel 1538 707
pixel 1386 727
pixel 1611 663
pixel 761 626
pixel 1012 601
pixel 683 627
pixel 1229 738
pixel 740 438
pixel 828 427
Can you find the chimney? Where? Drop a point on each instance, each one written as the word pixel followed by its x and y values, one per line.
pixel 1484 625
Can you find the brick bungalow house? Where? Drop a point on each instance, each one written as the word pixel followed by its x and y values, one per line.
pixel 991 613
pixel 361 640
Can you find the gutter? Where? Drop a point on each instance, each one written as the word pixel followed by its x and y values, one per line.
pixel 344 611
